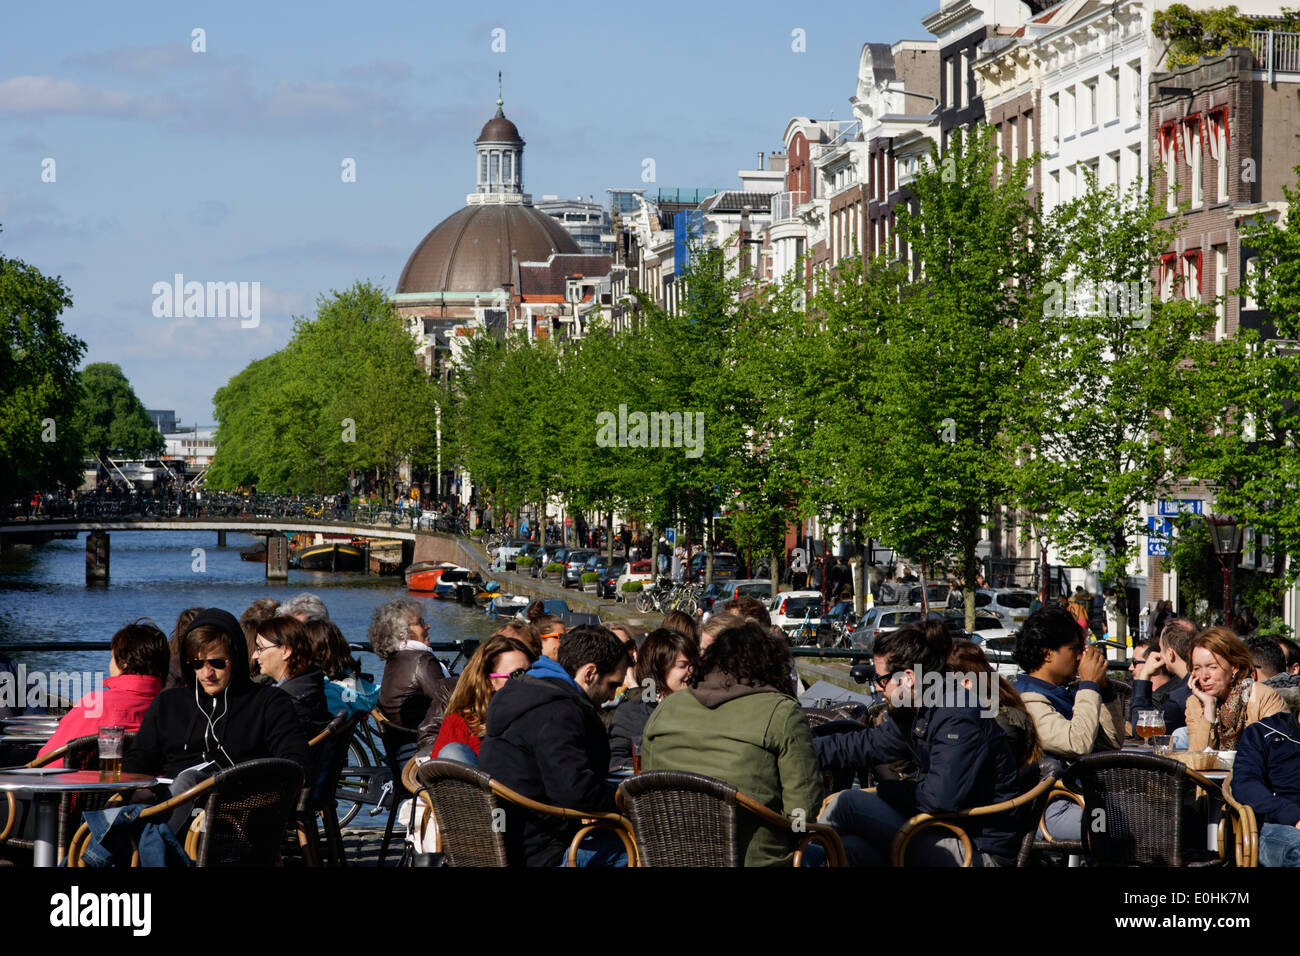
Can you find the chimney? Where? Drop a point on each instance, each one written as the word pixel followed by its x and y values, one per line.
pixel 760 159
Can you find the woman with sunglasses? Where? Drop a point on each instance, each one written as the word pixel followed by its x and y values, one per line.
pixel 464 723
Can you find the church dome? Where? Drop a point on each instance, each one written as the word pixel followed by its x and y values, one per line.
pixel 469 251
pixel 499 130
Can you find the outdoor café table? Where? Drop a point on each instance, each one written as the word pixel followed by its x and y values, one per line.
pixel 47 784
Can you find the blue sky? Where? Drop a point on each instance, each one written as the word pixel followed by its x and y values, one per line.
pixel 226 165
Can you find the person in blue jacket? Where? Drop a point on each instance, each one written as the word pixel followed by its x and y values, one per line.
pixel 1266 777
pixel 964 759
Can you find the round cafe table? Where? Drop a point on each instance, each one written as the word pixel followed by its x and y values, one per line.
pixel 47 785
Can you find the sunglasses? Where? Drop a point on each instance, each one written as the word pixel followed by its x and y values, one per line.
pixel 882 680
pixel 216 663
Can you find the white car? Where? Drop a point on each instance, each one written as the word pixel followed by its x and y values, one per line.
pixel 789 608
pixel 1008 605
pixel 635 571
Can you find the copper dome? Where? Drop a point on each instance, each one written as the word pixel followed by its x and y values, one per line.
pixel 469 251
pixel 499 130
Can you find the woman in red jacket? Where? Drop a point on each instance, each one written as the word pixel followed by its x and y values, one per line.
pixel 486 673
pixel 136 671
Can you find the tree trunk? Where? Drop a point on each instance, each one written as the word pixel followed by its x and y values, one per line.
pixel 970 561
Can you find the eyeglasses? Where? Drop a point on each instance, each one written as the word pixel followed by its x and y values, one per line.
pixel 216 663
pixel 258 648
pixel 502 676
pixel 882 680
pixel 553 634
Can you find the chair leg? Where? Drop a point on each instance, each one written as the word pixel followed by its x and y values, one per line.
pixel 388 830
pixel 334 837
pixel 308 838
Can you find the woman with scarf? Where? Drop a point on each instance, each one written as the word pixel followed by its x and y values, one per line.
pixel 1225 699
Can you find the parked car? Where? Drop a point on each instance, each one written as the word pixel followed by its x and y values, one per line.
pixel 936 595
pixel 635 571
pixel 507 553
pixel 1008 605
pixel 575 562
pixel 880 619
pixel 985 623
pixel 790 608
pixel 726 566
pixel 720 592
pixel 595 564
pixel 607 575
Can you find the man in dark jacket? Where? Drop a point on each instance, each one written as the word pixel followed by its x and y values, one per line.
pixel 1173 658
pixel 220 717
pixel 963 757
pixel 545 740
pixel 1266 777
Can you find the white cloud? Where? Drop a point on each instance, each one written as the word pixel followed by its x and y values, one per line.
pixel 138 60
pixel 45 95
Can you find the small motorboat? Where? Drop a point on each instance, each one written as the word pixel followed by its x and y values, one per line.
pixel 253 552
pixel 507 605
pixel 451 579
pixel 424 575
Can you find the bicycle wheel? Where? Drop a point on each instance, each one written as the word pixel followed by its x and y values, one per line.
pixel 354 782
pixel 687 604
pixel 644 602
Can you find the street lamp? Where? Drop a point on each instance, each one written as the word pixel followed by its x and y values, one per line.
pixel 1225 535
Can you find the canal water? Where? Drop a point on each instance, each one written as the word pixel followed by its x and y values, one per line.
pixel 44 598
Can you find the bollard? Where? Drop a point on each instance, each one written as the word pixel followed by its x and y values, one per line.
pixel 277 557
pixel 97 557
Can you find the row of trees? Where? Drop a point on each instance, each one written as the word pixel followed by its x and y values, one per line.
pixel 346 397
pixel 1012 358
pixel 53 416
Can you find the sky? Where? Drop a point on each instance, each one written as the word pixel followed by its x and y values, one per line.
pixel 128 155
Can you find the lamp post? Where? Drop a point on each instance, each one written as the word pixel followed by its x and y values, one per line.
pixel 1225 534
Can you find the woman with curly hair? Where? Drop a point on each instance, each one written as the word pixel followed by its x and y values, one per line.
pixel 399 635
pixel 737 720
pixel 1225 697
pixel 463 725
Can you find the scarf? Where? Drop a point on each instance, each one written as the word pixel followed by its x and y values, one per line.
pixel 1230 717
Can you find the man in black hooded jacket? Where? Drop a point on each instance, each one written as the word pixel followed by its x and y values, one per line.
pixel 220 717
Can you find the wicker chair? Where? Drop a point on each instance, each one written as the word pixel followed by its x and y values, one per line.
pixel 80 753
pixel 1027 809
pixel 329 751
pixel 467 807
pixel 1134 810
pixel 245 812
pixel 1245 827
pixel 395 738
pixel 688 819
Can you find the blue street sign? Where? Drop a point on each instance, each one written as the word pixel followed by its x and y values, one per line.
pixel 671 535
pixel 1160 526
pixel 1169 507
pixel 1157 548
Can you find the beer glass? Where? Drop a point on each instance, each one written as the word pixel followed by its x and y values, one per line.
pixel 1151 723
pixel 110 749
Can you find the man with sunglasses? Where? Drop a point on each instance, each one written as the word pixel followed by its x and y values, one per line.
pixel 219 717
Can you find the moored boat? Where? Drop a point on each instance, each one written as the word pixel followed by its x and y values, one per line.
pixel 424 575
pixel 332 556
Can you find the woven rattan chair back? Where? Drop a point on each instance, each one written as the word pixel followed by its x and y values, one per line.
pixel 1133 808
pixel 246 812
pixel 682 819
pixel 469 816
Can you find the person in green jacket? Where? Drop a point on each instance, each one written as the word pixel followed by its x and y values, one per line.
pixel 738 721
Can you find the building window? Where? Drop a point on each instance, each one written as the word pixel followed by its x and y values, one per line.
pixel 1054 188
pixel 1014 130
pixel 1191 133
pixel 1029 134
pixel 1137 172
pixel 505 167
pixel 1192 275
pixel 963 78
pixel 1089 105
pixel 1068 117
pixel 1112 81
pixel 1113 174
pixel 482 169
pixel 1135 90
pixel 1217 141
pixel 1248 302
pixel 1168 139
pixel 496 167
pixel 1220 288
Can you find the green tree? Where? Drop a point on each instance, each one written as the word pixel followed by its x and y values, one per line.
pixel 111 418
pixel 954 351
pixel 1109 361
pixel 39 385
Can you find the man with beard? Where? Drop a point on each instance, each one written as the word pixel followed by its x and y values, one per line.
pixel 545 740
pixel 964 760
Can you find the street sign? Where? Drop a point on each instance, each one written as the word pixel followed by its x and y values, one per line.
pixel 671 535
pixel 1169 507
pixel 1160 526
pixel 1157 548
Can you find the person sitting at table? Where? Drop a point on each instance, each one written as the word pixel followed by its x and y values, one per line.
pixel 683 623
pixel 284 653
pixel 262 609
pixel 461 724
pixel 963 758
pixel 399 635
pixel 1270 670
pixel 737 720
pixel 1225 697
pixel 220 718
pixel 968 658
pixel 137 666
pixel 750 608
pixel 345 688
pixel 545 741
pixel 1266 777
pixel 663 666
pixel 1169 658
pixel 715 625
pixel 550 629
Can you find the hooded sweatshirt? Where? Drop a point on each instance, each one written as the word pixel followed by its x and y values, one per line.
pixel 755 738
pixel 545 740
pixel 185 726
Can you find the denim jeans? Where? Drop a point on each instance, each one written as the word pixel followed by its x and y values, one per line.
pixel 867 825
pixel 599 848
pixel 461 753
pixel 1279 845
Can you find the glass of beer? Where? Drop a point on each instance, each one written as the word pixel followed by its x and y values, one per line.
pixel 636 758
pixel 110 750
pixel 1151 723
